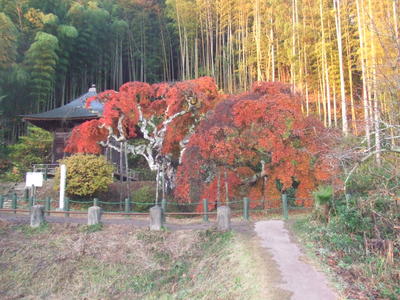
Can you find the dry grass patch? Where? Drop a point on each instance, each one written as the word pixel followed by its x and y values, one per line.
pixel 71 261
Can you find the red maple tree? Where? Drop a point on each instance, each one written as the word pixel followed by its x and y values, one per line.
pixel 251 145
pixel 162 115
pixel 208 145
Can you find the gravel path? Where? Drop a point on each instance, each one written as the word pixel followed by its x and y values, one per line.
pixel 300 278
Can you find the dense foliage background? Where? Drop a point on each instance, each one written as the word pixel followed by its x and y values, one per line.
pixel 52 51
pixel 342 55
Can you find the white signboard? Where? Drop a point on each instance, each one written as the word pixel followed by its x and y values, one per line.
pixel 34 178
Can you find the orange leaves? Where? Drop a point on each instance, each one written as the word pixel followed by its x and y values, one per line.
pixel 263 127
pixel 255 194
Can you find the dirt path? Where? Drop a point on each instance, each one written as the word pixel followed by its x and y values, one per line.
pixel 301 279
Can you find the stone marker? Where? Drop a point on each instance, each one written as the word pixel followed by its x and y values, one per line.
pixel 223 218
pixel 156 218
pixel 37 215
pixel 94 215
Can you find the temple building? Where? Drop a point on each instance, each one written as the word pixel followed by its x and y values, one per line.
pixel 60 121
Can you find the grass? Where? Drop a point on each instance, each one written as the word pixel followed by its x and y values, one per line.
pixel 91 228
pixel 30 231
pixel 119 262
pixel 357 274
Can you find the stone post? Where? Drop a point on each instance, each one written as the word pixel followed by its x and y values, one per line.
pixel 94 215
pixel 223 218
pixel 156 218
pixel 37 215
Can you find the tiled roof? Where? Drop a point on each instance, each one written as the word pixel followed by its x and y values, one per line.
pixel 76 109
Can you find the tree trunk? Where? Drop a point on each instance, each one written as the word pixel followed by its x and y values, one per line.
pixel 336 4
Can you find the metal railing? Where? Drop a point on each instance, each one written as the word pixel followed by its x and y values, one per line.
pixel 204 208
pixel 47 169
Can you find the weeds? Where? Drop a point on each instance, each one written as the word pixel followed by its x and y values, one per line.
pixel 341 246
pixel 91 228
pixel 214 239
pixel 149 236
pixel 30 231
pixel 143 284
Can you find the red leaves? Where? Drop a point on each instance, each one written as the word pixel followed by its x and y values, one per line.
pixel 257 138
pixel 84 138
pixel 264 125
pixel 157 103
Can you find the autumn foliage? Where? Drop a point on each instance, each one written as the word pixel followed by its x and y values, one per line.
pixel 256 144
pixel 85 138
pixel 157 103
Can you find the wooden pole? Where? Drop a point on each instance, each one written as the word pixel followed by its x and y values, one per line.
pixel 285 206
pixel 205 210
pixel 246 205
pixel 226 188
pixel 157 180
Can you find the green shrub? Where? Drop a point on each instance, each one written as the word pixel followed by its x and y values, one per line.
pixel 351 220
pixel 323 200
pixel 368 177
pixel 142 197
pixel 323 194
pixel 34 148
pixel 87 175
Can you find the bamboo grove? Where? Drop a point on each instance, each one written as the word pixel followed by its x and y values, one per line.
pixel 53 50
pixel 342 56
